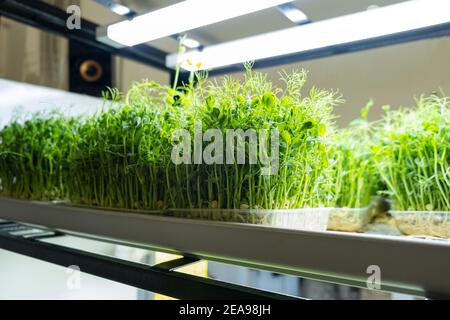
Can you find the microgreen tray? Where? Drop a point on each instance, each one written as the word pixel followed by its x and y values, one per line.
pixel 313 219
pixel 423 223
pixel 350 219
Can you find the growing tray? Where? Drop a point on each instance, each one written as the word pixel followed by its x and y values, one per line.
pixel 423 223
pixel 350 219
pixel 314 219
pixel 410 265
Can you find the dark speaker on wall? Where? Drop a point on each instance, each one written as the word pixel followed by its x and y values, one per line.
pixel 90 69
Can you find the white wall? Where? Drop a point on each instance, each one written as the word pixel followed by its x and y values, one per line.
pixel 390 75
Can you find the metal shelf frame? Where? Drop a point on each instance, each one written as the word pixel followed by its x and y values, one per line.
pixel 415 266
pixel 161 278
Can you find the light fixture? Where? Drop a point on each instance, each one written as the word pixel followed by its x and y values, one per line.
pixel 121 10
pixel 180 17
pixel 191 43
pixel 115 7
pixel 293 13
pixel 370 24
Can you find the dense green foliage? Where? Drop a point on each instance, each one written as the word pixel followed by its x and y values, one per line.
pixel 125 151
pixel 121 150
pixel 122 156
pixel 353 175
pixel 34 156
pixel 412 154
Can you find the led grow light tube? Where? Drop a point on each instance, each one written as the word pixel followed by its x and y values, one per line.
pixel 191 43
pixel 405 16
pixel 182 16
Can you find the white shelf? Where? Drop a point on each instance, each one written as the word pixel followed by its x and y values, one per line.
pixel 409 265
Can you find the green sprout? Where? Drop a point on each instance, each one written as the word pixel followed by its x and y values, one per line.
pixel 124 152
pixel 412 155
pixel 34 155
pixel 355 180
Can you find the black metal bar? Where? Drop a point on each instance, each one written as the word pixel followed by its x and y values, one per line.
pixel 46 17
pixel 27 232
pixel 6 224
pixel 12 227
pixel 441 30
pixel 44 235
pixel 183 78
pixel 170 283
pixel 174 264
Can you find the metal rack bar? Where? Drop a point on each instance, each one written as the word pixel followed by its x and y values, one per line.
pixel 413 266
pixel 172 265
pixel 160 278
pixel 26 232
pixel 47 17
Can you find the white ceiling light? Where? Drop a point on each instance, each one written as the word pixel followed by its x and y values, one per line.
pixel 293 13
pixel 191 43
pixel 121 10
pixel 405 16
pixel 115 7
pixel 180 17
